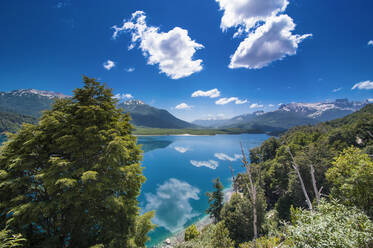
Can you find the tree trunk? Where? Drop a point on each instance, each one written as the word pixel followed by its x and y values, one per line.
pixel 317 192
pixel 252 193
pixel 295 166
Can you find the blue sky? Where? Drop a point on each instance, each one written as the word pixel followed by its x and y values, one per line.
pixel 249 51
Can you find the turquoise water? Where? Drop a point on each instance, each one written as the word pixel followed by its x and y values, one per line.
pixel 179 172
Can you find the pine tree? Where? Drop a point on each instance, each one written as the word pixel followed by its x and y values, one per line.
pixel 216 200
pixel 73 179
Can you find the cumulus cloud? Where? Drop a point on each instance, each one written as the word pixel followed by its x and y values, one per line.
pixel 336 90
pixel 130 69
pixel 171 203
pixel 270 42
pixel 223 101
pixel 370 43
pixel 370 100
pixel 223 156
pixel 183 106
pixel 172 51
pixel 108 65
pixel 268 31
pixel 181 149
pixel 256 105
pixel 246 13
pixel 210 93
pixel 271 105
pixel 366 85
pixel 123 96
pixel 212 164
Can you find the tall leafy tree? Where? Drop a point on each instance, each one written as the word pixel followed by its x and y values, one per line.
pixel 216 200
pixel 352 179
pixel 73 179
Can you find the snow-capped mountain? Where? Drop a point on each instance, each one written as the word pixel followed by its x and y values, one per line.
pixel 25 92
pixel 324 110
pixel 134 102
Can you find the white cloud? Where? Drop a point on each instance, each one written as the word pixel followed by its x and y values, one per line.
pixel 256 105
pixel 211 117
pixel 246 13
pixel 123 96
pixel 271 105
pixel 223 101
pixel 336 90
pixel 370 100
pixel 268 32
pixel 172 51
pixel 270 42
pixel 183 106
pixel 223 156
pixel 108 65
pixel 130 69
pixel 370 43
pixel 171 203
pixel 212 164
pixel 181 149
pixel 366 85
pixel 210 93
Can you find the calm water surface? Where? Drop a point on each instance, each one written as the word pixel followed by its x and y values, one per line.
pixel 179 172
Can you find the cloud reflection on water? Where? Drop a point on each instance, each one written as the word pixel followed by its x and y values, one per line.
pixel 172 204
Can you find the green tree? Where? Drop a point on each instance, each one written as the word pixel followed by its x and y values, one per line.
pixel 191 233
pixel 238 218
pixel 73 179
pixel 352 179
pixel 221 237
pixel 216 200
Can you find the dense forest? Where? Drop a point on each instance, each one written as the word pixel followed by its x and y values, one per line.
pixel 73 178
pixel 311 187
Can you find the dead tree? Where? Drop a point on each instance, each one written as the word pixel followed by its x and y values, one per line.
pixel 252 191
pixel 317 192
pixel 296 168
pixel 233 179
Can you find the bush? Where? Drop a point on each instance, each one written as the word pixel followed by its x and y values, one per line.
pixel 191 232
pixel 331 225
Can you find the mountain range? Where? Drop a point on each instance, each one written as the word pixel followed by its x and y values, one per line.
pixel 20 106
pixel 288 115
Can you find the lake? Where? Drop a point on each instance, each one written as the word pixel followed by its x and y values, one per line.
pixel 179 172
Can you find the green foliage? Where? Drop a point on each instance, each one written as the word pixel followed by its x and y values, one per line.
pixel 11 122
pixel 221 237
pixel 237 215
pixel 262 242
pixel 316 145
pixel 331 225
pixel 9 240
pixel 73 179
pixel 212 236
pixel 191 233
pixel 352 178
pixel 216 200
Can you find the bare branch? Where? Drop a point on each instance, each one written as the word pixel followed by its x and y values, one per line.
pixel 300 179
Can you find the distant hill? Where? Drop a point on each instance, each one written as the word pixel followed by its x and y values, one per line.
pixel 27 105
pixel 28 102
pixel 144 115
pixel 288 116
pixel 10 122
